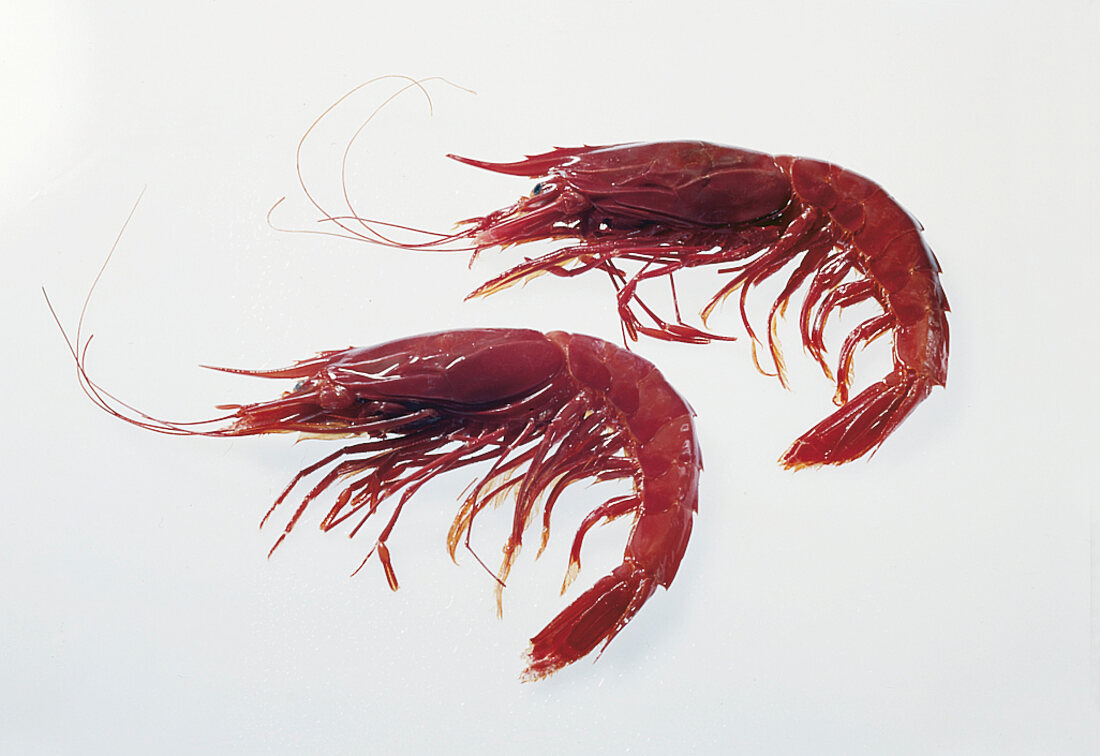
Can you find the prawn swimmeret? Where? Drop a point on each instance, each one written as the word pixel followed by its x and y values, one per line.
pixel 668 206
pixel 542 410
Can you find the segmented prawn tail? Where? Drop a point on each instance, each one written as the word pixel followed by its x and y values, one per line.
pixel 595 617
pixel 665 455
pixel 861 425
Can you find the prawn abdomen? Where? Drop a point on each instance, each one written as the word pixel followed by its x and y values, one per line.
pixel 659 423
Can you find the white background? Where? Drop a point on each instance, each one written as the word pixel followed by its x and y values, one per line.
pixel 935 599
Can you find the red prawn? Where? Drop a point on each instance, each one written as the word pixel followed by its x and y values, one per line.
pixel 544 410
pixel 674 205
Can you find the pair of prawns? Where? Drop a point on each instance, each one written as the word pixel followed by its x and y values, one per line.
pixel 544 411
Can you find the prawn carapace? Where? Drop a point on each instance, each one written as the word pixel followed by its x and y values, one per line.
pixel 542 411
pixel 668 206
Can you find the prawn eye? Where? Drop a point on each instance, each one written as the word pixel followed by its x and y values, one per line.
pixel 537 190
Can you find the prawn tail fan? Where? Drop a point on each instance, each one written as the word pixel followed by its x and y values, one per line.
pixel 595 617
pixel 861 425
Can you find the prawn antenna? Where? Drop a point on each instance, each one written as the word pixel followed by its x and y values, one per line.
pixel 78 348
pixel 350 224
pixel 75 344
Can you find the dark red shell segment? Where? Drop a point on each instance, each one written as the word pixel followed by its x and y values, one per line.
pixel 689 183
pixel 676 184
pixel 455 369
